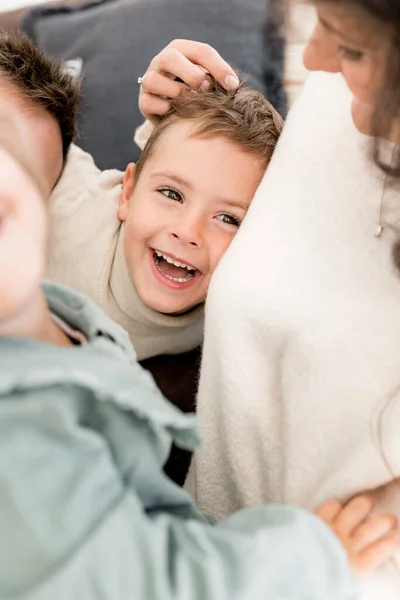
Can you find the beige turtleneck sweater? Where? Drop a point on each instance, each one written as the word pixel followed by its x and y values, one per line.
pixel 86 252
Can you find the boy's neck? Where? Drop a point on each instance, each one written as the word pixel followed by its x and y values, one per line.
pixel 35 322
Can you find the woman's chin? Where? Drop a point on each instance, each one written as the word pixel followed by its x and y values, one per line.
pixel 362 116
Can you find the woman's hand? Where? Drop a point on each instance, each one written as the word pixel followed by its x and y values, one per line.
pixel 190 62
pixel 369 540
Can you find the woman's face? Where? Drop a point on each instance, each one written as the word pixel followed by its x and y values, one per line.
pixel 349 43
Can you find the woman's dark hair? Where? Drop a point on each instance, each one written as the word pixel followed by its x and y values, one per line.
pixel 387 12
pixel 388 106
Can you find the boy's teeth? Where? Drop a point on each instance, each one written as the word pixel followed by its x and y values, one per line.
pixel 171 261
pixel 179 279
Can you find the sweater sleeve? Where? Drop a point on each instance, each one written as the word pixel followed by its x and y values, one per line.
pixel 77 526
pixel 82 181
pixel 79 173
pixel 86 512
pixel 270 552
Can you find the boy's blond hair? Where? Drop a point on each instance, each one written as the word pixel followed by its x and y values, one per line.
pixel 242 116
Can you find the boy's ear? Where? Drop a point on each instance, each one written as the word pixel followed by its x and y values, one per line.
pixel 127 190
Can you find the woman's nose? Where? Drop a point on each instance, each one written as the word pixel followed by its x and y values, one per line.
pixel 321 53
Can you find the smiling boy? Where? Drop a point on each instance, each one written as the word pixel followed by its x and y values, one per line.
pixel 145 244
pixel 182 208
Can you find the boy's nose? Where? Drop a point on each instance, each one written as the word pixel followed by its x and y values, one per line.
pixel 189 231
pixel 321 53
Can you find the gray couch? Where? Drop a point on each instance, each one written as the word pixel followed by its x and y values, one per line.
pixel 116 40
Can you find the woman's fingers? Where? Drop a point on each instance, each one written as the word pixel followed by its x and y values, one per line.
pixel 153 107
pixel 368 540
pixel 159 81
pixel 372 530
pixel 173 62
pixel 329 511
pixel 188 61
pixel 209 59
pixel 375 555
pixel 160 85
pixel 352 515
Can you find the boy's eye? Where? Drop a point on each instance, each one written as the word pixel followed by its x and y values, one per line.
pixel 229 220
pixel 349 54
pixel 171 194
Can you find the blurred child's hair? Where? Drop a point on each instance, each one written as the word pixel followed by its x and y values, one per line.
pixel 242 116
pixel 41 81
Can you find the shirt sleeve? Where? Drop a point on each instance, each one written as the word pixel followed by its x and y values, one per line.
pixel 269 553
pixel 84 518
pixel 266 553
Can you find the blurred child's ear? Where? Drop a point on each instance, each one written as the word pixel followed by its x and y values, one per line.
pixel 127 190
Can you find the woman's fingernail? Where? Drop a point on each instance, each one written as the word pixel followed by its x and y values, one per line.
pixel 205 85
pixel 231 82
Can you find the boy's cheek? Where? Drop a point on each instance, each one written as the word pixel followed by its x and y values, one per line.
pixel 219 250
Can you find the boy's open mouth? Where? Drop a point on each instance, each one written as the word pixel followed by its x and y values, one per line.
pixel 172 269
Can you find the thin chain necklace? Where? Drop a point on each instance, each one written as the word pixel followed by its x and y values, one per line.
pixel 380 226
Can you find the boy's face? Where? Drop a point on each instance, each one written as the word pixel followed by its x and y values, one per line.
pixel 33 136
pixel 23 229
pixel 185 209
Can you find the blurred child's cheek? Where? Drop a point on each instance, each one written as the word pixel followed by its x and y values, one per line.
pixel 22 262
pixel 23 237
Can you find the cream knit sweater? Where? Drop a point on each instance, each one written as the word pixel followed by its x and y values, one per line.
pixel 86 252
pixel 298 392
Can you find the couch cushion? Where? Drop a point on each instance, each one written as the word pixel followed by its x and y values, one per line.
pixel 116 39
pixel 11 20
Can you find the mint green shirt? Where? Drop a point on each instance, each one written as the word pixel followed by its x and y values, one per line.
pixel 86 512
